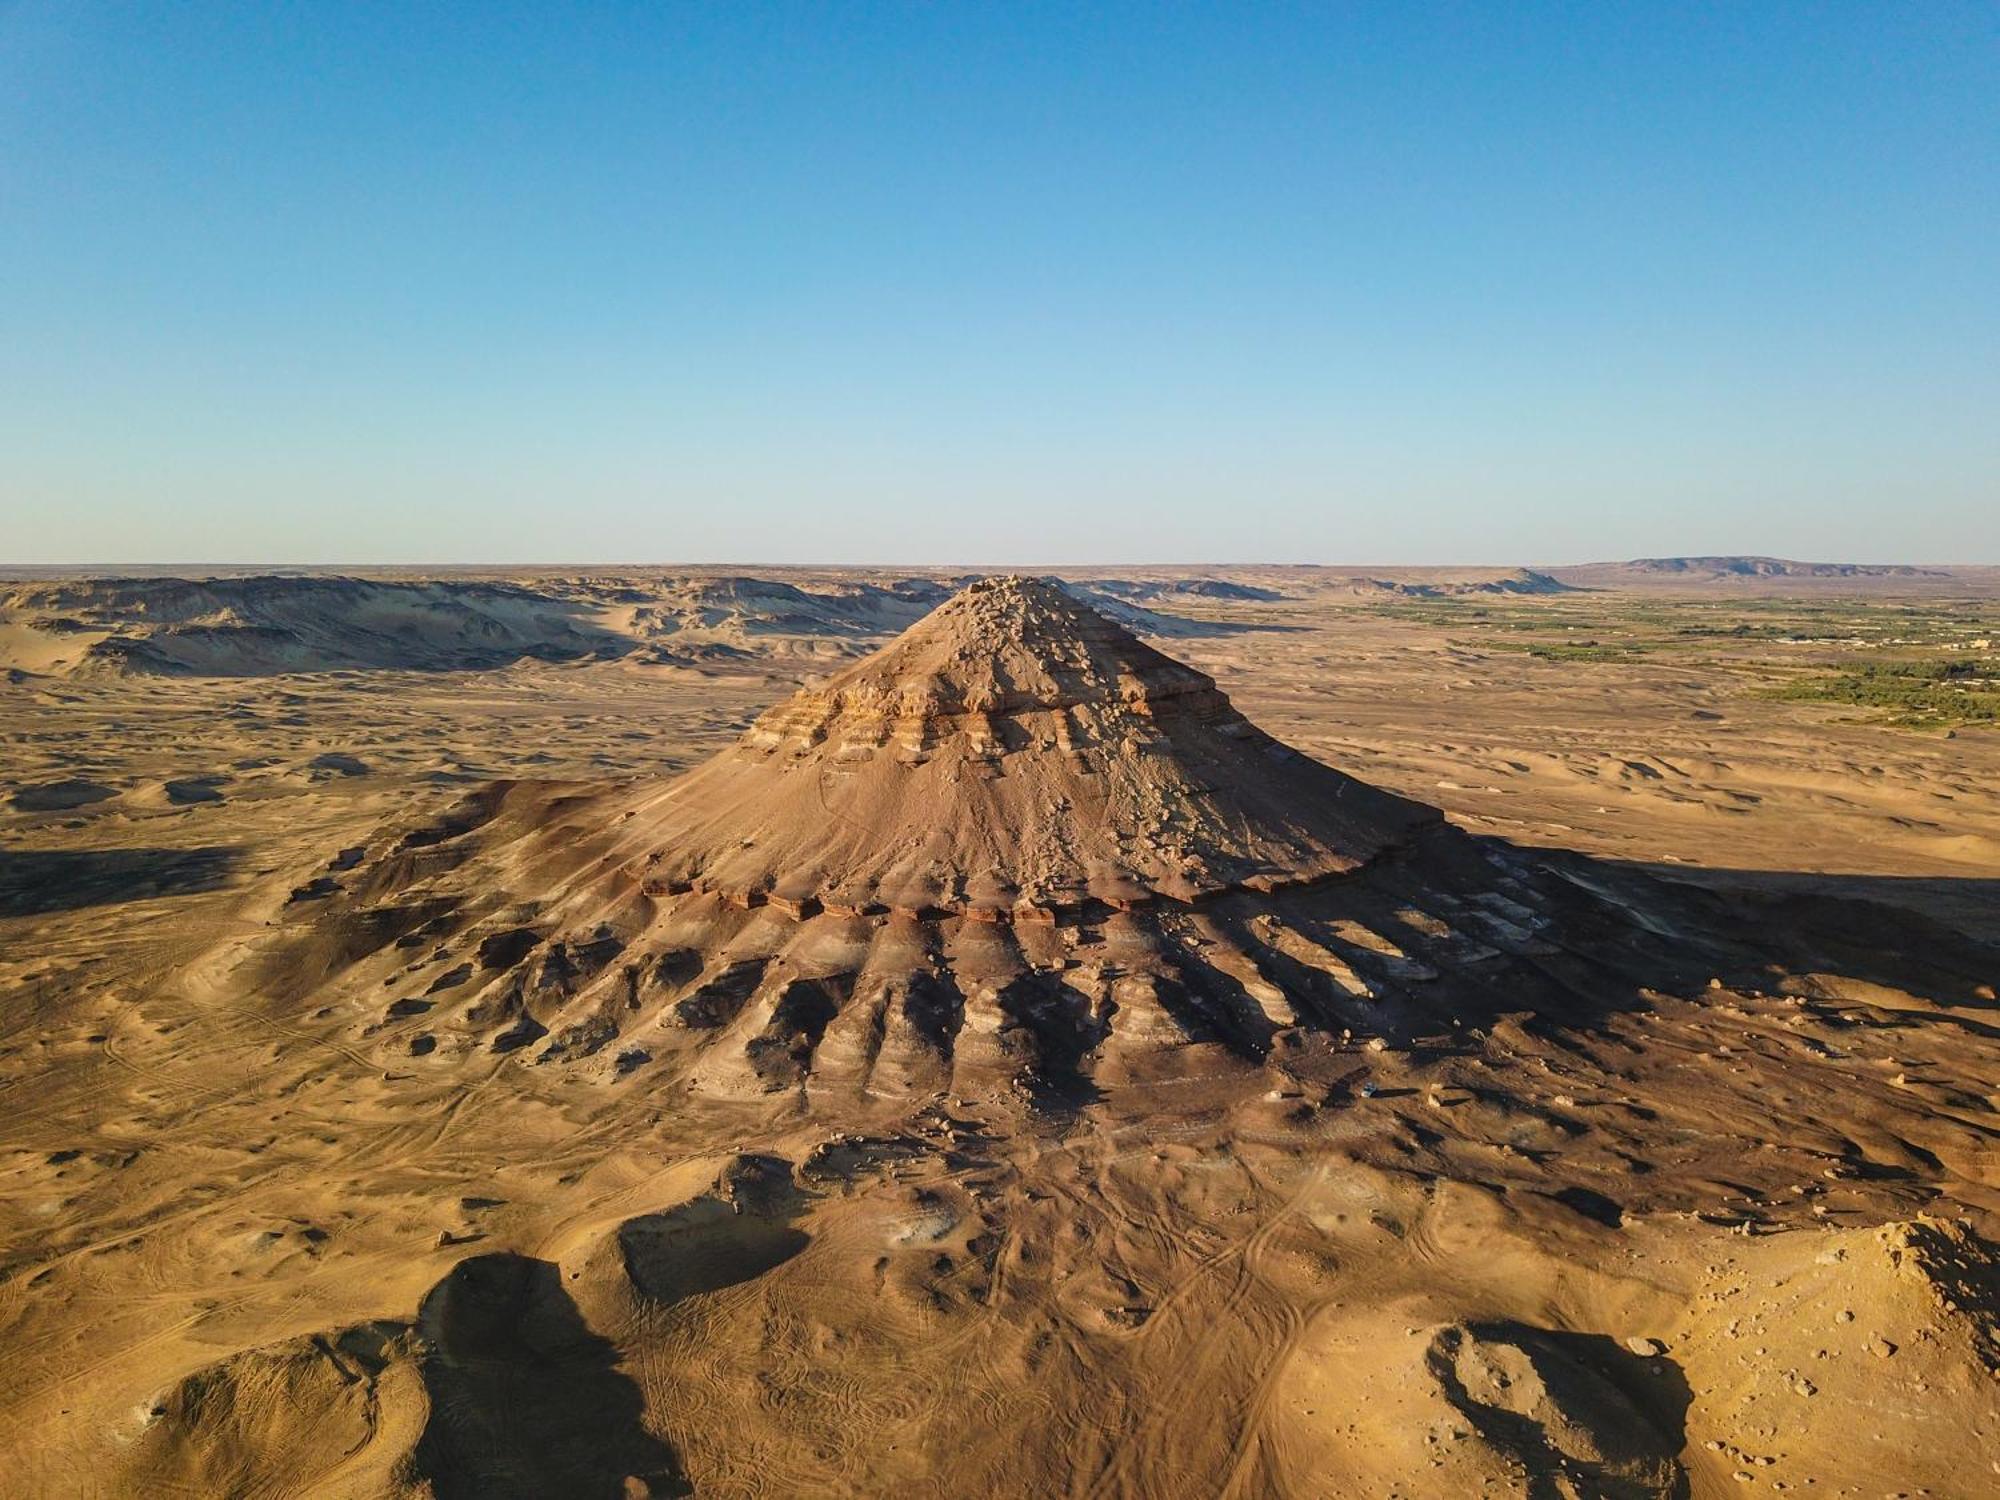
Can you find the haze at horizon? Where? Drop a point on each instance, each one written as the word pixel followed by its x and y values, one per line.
pixel 903 284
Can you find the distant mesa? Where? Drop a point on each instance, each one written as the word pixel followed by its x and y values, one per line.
pixel 1747 575
pixel 1187 588
pixel 1741 573
pixel 1520 581
pixel 1773 567
pixel 1111 594
pixel 1517 581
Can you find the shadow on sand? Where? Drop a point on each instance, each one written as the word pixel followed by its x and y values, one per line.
pixel 526 1401
pixel 1971 904
pixel 1884 929
pixel 1634 1409
pixel 33 882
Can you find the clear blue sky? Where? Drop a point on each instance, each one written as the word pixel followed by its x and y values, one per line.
pixel 998 282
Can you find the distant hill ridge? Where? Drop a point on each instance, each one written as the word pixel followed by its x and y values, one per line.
pixel 1747 566
pixel 268 624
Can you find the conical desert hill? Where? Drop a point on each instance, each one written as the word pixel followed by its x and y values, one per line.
pixel 1015 844
pixel 1013 754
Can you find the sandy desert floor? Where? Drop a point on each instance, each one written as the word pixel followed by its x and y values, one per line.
pixel 1736 1237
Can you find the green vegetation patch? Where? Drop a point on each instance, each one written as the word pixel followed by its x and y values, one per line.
pixel 1572 650
pixel 1748 635
pixel 1921 694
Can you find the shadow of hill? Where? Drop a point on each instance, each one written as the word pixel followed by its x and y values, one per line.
pixel 525 1400
pixel 1589 938
pixel 1623 1417
pixel 35 882
pixel 1877 921
pixel 703 1247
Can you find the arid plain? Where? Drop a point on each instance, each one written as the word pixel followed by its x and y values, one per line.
pixel 1641 1141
